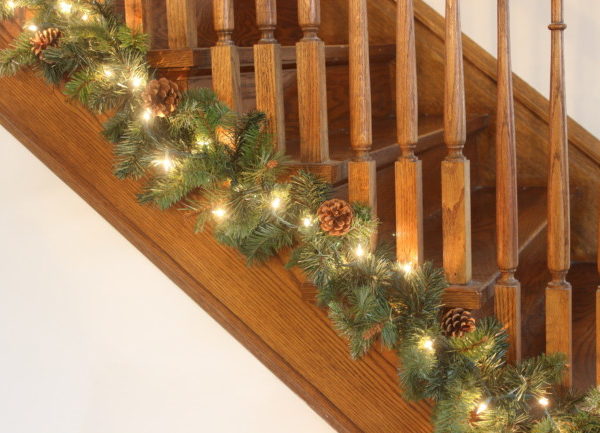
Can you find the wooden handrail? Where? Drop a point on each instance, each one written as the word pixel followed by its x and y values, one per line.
pixel 507 302
pixel 267 70
pixel 181 24
pixel 362 170
pixel 456 180
pixel 559 333
pixel 408 168
pixel 225 57
pixel 312 86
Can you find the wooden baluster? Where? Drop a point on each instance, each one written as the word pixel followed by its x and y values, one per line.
pixel 362 170
pixel 135 15
pixel 408 176
pixel 312 86
pixel 558 293
pixel 181 24
pixel 225 57
pixel 456 180
pixel 507 302
pixel 267 67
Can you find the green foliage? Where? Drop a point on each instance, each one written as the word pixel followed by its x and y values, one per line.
pixel 222 166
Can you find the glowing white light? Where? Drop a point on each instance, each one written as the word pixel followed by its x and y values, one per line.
pixel 32 28
pixel 65 7
pixel 147 115
pixel 85 17
pixel 136 82
pixel 360 252
pixel 202 142
pixel 219 212
pixel 483 406
pixel 543 401
pixel 276 203
pixel 108 72
pixel 11 4
pixel 166 163
pixel 407 268
pixel 427 344
pixel 307 222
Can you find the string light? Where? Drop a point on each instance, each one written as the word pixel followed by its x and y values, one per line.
pixel 276 203
pixel 108 72
pixel 147 115
pixel 219 212
pixel 202 141
pixel 166 162
pixel 407 268
pixel 65 7
pixel 543 401
pixel 11 4
pixel 360 252
pixel 32 28
pixel 136 82
pixel 483 406
pixel 306 221
pixel 427 344
pixel 85 17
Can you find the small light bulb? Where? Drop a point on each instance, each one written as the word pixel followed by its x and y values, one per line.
pixel 32 28
pixel 406 267
pixel 202 142
pixel 65 7
pixel 11 4
pixel 483 406
pixel 359 251
pixel 307 222
pixel 85 17
pixel 136 82
pixel 147 115
pixel 166 163
pixel 544 402
pixel 427 344
pixel 219 212
pixel 108 72
pixel 276 203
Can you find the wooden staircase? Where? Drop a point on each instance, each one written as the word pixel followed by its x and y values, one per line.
pixel 268 308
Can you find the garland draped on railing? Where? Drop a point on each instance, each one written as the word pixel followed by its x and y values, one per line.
pixel 192 151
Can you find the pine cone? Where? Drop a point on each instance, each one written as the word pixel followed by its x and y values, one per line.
pixel 43 39
pixel 335 217
pixel 457 322
pixel 161 96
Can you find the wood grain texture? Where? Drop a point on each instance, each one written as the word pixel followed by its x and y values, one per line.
pixel 508 290
pixel 312 85
pixel 456 180
pixel 267 69
pixel 408 172
pixel 559 332
pixel 135 14
pixel 181 24
pixel 362 183
pixel 597 336
pixel 259 305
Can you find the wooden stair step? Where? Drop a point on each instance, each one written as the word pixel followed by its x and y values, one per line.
pixel 532 221
pixel 385 149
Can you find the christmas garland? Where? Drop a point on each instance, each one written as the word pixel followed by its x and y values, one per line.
pixel 192 151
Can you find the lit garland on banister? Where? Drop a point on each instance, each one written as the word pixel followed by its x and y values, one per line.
pixel 194 152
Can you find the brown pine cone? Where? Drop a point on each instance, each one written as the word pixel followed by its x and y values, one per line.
pixel 457 322
pixel 43 39
pixel 335 216
pixel 161 96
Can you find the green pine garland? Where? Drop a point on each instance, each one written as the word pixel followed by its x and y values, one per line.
pixel 222 166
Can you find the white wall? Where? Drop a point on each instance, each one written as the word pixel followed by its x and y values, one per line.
pixel 95 339
pixel 531 47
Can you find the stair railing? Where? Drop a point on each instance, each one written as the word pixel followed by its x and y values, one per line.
pixel 456 178
pixel 559 333
pixel 408 169
pixel 507 300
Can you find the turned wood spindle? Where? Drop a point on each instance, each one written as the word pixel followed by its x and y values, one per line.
pixel 267 67
pixel 362 170
pixel 312 87
pixel 507 302
pixel 456 180
pixel 408 168
pixel 181 24
pixel 135 15
pixel 225 57
pixel 559 333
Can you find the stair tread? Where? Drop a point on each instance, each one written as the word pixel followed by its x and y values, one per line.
pixel 532 220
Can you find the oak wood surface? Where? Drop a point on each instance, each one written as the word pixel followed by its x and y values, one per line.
pixel 559 322
pixel 289 336
pixel 507 290
pixel 181 23
pixel 135 14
